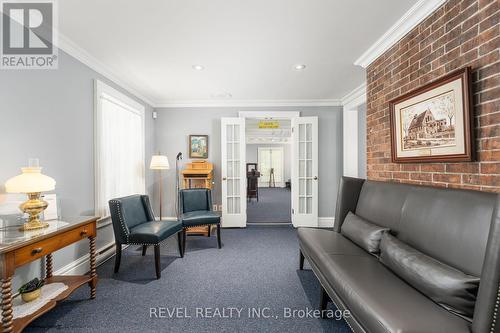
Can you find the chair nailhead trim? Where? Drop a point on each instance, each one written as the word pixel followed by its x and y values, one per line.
pixel 120 218
pixel 495 311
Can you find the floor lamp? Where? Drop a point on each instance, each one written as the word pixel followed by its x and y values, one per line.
pixel 159 162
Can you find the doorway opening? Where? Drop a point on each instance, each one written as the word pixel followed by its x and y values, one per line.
pixel 268 162
pixel 303 164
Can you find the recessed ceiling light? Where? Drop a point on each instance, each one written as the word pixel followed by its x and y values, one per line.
pixel 198 67
pixel 221 95
pixel 299 67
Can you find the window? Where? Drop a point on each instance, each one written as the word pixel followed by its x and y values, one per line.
pixel 119 147
pixel 270 158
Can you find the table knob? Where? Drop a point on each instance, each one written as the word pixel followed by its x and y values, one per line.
pixel 36 250
pixel 83 233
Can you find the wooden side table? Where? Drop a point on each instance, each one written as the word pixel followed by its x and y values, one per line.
pixel 18 248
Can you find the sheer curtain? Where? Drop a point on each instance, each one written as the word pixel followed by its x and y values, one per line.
pixel 270 157
pixel 120 163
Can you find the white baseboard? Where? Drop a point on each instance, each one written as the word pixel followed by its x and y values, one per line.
pixel 326 222
pixel 81 265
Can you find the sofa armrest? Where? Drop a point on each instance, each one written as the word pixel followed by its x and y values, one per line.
pixel 347 199
pixel 486 312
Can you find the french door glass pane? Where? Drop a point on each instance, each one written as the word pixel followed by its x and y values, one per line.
pixel 233 169
pixel 309 187
pixel 309 132
pixel 229 133
pixel 309 205
pixel 302 205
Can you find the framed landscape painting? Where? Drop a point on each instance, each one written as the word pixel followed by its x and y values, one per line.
pixel 434 123
pixel 198 146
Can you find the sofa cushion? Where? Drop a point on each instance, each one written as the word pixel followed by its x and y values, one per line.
pixel 435 221
pixel 153 232
pixel 363 233
pixel 317 242
pixel 199 217
pixel 381 301
pixel 447 286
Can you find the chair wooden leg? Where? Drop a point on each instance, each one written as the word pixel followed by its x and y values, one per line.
pixel 157 261
pixel 323 302
pixel 179 243
pixel 183 241
pixel 301 264
pixel 218 236
pixel 118 257
pixel 144 249
pixel 209 230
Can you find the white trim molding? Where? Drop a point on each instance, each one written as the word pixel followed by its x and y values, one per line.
pixel 248 103
pixel 416 14
pixel 269 114
pixel 326 222
pixel 351 102
pixel 81 265
pixel 71 48
pixel 357 96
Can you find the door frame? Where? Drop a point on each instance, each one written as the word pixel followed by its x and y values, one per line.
pixel 271 114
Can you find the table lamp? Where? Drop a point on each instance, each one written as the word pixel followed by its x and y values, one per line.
pixel 159 162
pixel 32 182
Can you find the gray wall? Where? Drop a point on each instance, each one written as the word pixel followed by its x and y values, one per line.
pixel 175 124
pixel 48 114
pixel 252 156
pixel 362 141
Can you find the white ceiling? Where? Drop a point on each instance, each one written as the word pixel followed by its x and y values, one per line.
pixel 248 48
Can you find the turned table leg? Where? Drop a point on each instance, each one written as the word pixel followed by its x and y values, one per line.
pixel 7 322
pixel 48 266
pixel 93 273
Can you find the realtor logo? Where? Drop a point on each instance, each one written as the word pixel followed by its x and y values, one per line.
pixel 28 35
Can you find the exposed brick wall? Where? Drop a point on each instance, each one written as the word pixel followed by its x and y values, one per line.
pixel 459 33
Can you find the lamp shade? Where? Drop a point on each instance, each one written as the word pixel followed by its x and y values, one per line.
pixel 30 181
pixel 159 162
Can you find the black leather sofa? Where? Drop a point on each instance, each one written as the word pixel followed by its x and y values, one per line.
pixel 459 228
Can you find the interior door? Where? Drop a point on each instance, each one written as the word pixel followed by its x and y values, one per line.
pixel 305 172
pixel 233 149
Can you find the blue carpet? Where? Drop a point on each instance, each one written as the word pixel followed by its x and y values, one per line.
pixel 274 206
pixel 257 267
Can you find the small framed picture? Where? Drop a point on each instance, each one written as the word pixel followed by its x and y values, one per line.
pixel 198 146
pixel 434 123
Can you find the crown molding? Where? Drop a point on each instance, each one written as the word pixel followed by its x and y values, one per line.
pixel 356 97
pixel 416 14
pixel 248 103
pixel 68 46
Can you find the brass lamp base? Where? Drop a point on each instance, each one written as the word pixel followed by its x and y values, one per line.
pixel 34 206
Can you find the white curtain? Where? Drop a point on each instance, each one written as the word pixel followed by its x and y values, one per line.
pixel 270 157
pixel 120 163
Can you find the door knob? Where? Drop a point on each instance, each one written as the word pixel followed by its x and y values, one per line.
pixel 315 178
pixel 224 178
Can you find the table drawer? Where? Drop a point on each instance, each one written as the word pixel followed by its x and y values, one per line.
pixel 39 249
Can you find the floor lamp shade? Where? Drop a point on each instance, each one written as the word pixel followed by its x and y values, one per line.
pixel 159 162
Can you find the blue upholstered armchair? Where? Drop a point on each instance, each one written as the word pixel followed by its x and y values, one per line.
pixel 134 223
pixel 196 210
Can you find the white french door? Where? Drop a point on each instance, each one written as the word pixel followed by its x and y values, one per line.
pixel 233 149
pixel 305 172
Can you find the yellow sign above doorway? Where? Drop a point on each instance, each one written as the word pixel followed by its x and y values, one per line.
pixel 269 124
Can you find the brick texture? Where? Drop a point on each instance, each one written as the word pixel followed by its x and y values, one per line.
pixel 459 33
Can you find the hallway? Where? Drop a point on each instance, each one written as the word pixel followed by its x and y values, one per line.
pixel 274 206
